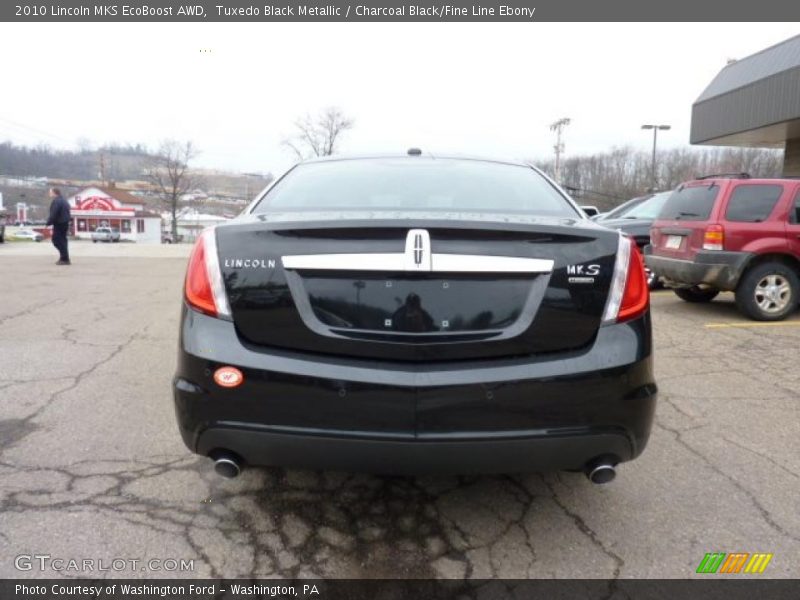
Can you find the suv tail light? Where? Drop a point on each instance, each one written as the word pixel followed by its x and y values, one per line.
pixel 629 295
pixel 714 238
pixel 203 288
pixel 655 236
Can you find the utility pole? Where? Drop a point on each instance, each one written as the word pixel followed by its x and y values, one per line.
pixel 558 126
pixel 102 168
pixel 247 177
pixel 655 129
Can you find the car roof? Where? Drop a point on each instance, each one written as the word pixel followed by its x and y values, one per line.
pixel 417 157
pixel 761 180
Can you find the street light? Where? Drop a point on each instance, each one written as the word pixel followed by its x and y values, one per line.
pixel 655 129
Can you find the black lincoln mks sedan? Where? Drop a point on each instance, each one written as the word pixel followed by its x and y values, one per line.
pixel 415 314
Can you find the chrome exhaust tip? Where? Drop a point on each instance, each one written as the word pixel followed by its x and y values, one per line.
pixel 227 466
pixel 600 473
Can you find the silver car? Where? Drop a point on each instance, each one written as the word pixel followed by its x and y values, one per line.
pixel 105 234
pixel 28 234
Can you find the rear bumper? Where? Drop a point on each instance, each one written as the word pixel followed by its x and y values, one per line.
pixel 535 451
pixel 506 416
pixel 718 268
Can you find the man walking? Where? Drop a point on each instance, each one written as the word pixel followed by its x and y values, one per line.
pixel 59 219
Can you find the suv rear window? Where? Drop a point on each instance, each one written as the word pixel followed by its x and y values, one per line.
pixel 752 203
pixel 690 203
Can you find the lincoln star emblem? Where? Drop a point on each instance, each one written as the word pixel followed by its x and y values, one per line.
pixel 418 249
pixel 418 254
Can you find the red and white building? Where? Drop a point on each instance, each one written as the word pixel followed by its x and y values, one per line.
pixel 95 207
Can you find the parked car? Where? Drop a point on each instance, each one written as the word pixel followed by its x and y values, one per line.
pixel 624 207
pixel 409 315
pixel 105 234
pixel 732 233
pixel 636 220
pixel 168 238
pixel 27 234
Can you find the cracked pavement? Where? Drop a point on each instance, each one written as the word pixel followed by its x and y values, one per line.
pixel 92 466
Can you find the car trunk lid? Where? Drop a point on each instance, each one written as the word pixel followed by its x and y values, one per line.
pixel 427 289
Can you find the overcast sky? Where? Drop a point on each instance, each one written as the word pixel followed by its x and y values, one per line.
pixel 488 89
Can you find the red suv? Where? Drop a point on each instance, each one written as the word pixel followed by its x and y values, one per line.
pixel 731 233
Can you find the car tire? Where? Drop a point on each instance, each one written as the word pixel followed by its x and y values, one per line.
pixel 653 282
pixel 768 292
pixel 696 294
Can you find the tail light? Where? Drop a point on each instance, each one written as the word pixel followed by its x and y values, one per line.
pixel 655 236
pixel 629 296
pixel 204 289
pixel 714 238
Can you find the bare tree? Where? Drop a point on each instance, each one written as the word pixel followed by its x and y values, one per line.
pixel 171 177
pixel 84 144
pixel 609 178
pixel 317 136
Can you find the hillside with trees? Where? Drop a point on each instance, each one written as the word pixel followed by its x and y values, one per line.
pixel 118 162
pixel 25 171
pixel 609 178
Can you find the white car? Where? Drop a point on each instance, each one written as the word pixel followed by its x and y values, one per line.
pixel 27 234
pixel 105 234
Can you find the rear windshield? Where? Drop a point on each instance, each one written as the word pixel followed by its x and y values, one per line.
pixel 649 209
pixel 623 208
pixel 415 184
pixel 690 203
pixel 752 203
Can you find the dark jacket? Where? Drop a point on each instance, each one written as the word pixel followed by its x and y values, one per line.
pixel 59 211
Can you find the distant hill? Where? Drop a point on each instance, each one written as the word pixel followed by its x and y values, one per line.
pixel 25 172
pixel 118 162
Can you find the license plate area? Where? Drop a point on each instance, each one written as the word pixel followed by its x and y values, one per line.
pixel 673 242
pixel 414 304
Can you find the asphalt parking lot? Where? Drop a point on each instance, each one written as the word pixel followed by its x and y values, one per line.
pixel 92 466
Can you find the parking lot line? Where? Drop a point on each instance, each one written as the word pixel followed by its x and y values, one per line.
pixel 754 324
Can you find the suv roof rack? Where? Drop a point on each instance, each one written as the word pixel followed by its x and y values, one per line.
pixel 726 176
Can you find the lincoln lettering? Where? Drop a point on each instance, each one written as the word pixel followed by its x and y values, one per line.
pixel 249 263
